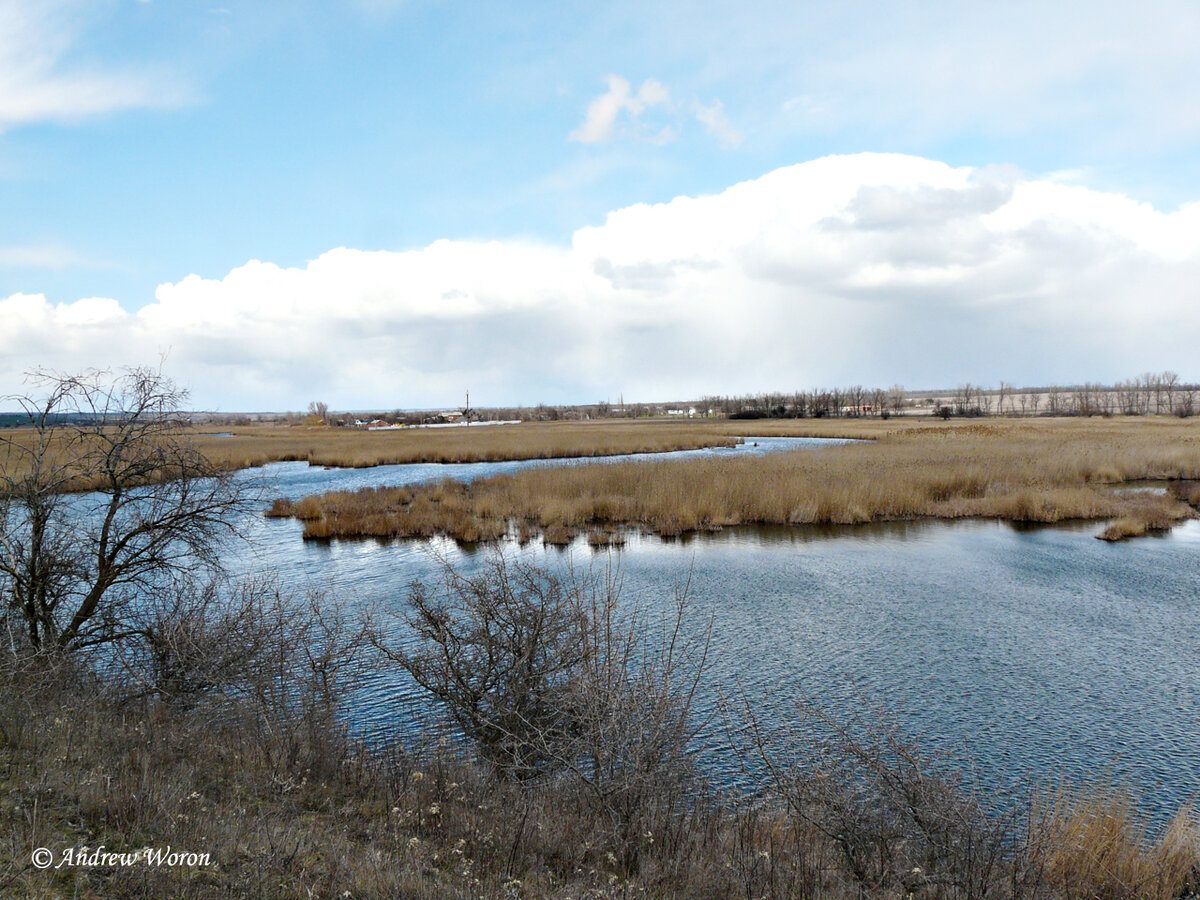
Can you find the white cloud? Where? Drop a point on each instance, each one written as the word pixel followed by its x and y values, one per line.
pixel 40 81
pixel 714 119
pixel 871 268
pixel 604 111
pixel 618 112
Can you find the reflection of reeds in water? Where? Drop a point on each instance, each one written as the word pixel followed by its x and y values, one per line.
pixel 1043 471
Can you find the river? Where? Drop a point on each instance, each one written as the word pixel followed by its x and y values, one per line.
pixel 1026 654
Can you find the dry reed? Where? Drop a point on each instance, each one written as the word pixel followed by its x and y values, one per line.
pixel 1092 843
pixel 359 448
pixel 1023 471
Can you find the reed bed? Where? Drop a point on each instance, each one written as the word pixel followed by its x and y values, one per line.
pixel 1093 843
pixel 1022 471
pixel 244 447
pixel 358 448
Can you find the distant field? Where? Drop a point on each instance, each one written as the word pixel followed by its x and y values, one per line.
pixel 242 447
pixel 1025 470
pixel 357 448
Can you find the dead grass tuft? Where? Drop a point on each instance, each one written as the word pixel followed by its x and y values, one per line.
pixel 1094 844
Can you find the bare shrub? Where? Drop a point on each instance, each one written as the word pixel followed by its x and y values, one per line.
pixel 278 661
pixel 631 708
pixel 499 651
pixel 196 639
pixel 902 824
pixel 546 673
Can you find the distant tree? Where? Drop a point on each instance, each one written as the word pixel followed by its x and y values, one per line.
pixel 1005 393
pixel 1055 403
pixel 318 412
pixel 1170 383
pixel 879 404
pixel 1185 403
pixel 966 400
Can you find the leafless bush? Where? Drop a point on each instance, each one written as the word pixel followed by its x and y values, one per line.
pixel 499 651
pixel 197 639
pixel 546 673
pixel 278 661
pixel 631 706
pixel 901 822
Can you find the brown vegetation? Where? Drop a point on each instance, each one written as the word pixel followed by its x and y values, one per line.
pixel 256 445
pixel 357 448
pixel 1048 470
pixel 1093 843
pixel 248 764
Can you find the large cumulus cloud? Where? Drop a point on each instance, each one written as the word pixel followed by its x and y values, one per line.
pixel 871 268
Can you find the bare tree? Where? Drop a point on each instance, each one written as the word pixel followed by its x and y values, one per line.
pixel 1055 403
pixel 1186 404
pixel 967 400
pixel 319 411
pixel 855 399
pixel 101 496
pixel 1170 384
pixel 1147 389
pixel 879 402
pixel 1005 393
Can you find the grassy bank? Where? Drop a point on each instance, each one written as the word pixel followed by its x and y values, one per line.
pixel 256 445
pixel 1046 470
pixel 290 809
pixel 215 729
pixel 357 448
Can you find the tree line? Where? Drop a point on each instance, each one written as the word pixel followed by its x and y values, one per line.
pixel 1152 393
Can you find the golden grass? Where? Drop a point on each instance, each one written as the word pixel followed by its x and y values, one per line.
pixel 1093 844
pixel 358 448
pixel 257 445
pixel 1022 471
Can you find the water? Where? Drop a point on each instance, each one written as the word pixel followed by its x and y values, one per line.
pixel 1032 653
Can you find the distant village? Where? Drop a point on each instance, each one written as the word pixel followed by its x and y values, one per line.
pixel 1149 394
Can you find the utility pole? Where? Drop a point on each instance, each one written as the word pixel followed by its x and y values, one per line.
pixel 468 410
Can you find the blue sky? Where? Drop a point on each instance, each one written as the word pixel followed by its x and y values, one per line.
pixel 145 142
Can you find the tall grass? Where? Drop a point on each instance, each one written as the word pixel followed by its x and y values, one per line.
pixel 1044 471
pixel 1093 843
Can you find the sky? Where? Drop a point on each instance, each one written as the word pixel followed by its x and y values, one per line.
pixel 385 203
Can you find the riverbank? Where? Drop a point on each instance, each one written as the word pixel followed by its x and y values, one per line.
pixel 1042 471
pixel 359 448
pixel 263 804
